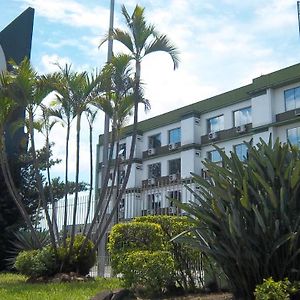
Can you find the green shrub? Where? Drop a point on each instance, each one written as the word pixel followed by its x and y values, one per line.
pixel 152 270
pixel 76 262
pixel 186 259
pixel 272 290
pixel 36 263
pixel 132 236
pixel 247 215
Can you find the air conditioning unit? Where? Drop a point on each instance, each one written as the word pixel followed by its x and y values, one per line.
pixel 172 177
pixel 172 210
pixel 173 146
pixel 151 181
pixel 151 151
pixel 139 167
pixel 241 128
pixel 212 135
pixel 297 112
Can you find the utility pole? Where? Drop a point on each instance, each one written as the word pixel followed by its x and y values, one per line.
pixel 102 244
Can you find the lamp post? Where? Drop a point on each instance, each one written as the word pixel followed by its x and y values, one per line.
pixel 101 248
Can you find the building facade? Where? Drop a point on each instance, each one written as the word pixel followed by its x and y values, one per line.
pixel 173 145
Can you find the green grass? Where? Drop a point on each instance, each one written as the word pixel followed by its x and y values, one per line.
pixel 14 287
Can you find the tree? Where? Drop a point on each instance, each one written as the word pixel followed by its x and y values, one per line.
pixel 140 39
pixel 28 89
pixel 77 90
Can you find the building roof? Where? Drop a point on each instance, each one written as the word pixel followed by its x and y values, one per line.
pixel 272 80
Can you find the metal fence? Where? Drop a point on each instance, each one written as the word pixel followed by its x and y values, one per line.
pixel 153 198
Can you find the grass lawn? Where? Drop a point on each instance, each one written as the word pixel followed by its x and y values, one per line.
pixel 14 287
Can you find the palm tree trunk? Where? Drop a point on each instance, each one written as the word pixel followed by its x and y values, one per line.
pixel 66 191
pixel 39 182
pixel 102 195
pixel 54 217
pixel 76 182
pixel 91 181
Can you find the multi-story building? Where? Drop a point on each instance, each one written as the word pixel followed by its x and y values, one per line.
pixel 173 145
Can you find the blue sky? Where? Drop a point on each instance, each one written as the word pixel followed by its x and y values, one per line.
pixel 223 44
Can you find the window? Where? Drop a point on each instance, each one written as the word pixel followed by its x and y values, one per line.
pixel 154 170
pixel 154 141
pixel 175 166
pixel 215 124
pixel 292 98
pixel 174 135
pixel 241 151
pixel 293 136
pixel 242 116
pixel 214 156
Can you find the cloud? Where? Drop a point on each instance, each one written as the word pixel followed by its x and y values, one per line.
pixel 71 13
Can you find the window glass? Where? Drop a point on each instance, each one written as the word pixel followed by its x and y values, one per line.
pixel 292 98
pixel 154 170
pixel 293 136
pixel 154 141
pixel 242 116
pixel 241 151
pixel 215 124
pixel 214 156
pixel 175 136
pixel 175 166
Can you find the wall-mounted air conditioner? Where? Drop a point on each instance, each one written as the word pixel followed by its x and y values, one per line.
pixel 212 135
pixel 173 177
pixel 297 112
pixel 151 151
pixel 139 167
pixel 173 146
pixel 241 129
pixel 151 181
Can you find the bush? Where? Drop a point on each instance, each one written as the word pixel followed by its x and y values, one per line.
pixel 132 236
pixel 152 270
pixel 80 263
pixel 186 259
pixel 36 263
pixel 247 215
pixel 272 290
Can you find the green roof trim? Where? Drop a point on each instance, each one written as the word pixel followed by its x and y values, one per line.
pixel 275 79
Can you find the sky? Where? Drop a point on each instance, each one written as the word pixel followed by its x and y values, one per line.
pixel 223 45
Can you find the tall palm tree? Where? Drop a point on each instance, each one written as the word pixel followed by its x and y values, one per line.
pixel 91 117
pixel 65 112
pixel 78 90
pixel 115 98
pixel 46 124
pixel 140 39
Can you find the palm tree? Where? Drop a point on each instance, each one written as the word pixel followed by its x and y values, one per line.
pixel 140 39
pixel 46 125
pixel 115 98
pixel 77 90
pixel 91 116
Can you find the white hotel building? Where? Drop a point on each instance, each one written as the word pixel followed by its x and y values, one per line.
pixel 172 145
